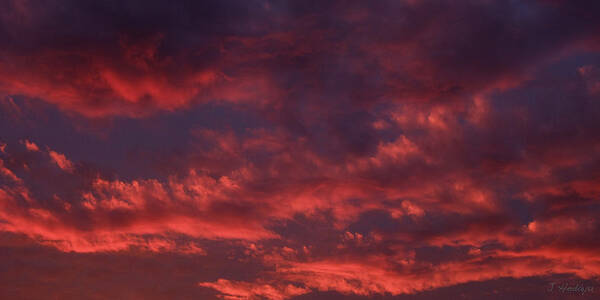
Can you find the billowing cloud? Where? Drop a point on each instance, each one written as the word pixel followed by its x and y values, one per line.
pixel 300 149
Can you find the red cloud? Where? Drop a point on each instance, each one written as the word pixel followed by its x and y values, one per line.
pixel 381 148
pixel 61 161
pixel 254 291
pixel 31 146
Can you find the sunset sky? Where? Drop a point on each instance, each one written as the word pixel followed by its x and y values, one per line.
pixel 274 150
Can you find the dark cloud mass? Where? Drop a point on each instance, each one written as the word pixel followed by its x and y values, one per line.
pixel 299 149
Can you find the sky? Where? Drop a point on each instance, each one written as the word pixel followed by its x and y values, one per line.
pixel 274 150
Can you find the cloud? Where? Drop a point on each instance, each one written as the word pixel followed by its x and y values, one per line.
pixel 245 290
pixel 31 146
pixel 177 60
pixel 369 149
pixel 61 161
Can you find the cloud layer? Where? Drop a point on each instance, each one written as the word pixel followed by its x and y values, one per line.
pixel 302 148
